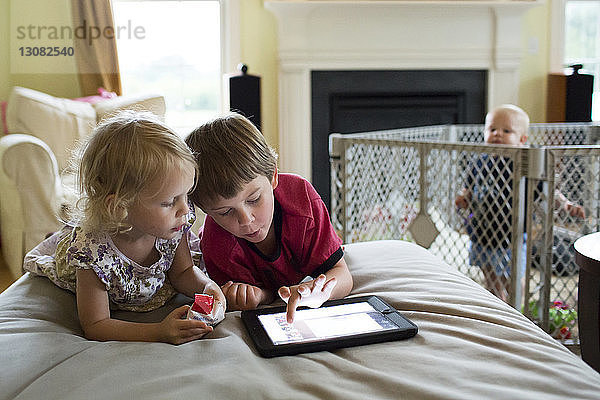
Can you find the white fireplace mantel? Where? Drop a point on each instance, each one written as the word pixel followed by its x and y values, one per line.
pixel 393 34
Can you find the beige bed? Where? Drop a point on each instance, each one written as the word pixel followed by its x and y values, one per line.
pixel 470 345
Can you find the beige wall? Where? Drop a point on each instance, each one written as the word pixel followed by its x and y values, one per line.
pixel 259 43
pixel 258 29
pixel 4 51
pixel 57 84
pixel 535 62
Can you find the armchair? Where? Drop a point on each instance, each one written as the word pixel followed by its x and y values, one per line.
pixel 34 180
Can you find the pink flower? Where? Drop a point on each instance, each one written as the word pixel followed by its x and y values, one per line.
pixel 560 305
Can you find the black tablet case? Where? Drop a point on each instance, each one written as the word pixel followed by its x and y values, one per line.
pixel 406 329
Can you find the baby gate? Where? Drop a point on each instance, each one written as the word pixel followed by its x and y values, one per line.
pixel 402 184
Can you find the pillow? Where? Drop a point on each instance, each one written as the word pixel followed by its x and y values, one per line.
pixel 3 106
pixel 59 122
pixel 103 94
pixel 141 102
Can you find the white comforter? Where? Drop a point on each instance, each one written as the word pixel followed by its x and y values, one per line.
pixel 470 345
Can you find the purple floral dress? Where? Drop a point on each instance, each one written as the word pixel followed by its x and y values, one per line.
pixel 130 286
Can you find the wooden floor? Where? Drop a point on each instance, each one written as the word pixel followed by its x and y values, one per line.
pixel 6 278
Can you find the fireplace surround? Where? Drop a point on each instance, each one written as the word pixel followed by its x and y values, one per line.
pixel 366 100
pixel 320 35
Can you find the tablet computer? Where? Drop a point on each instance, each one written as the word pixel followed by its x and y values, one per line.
pixel 337 323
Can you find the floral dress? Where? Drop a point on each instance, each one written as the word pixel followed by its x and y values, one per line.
pixel 130 286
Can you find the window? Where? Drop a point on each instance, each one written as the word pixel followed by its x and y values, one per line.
pixel 582 42
pixel 177 54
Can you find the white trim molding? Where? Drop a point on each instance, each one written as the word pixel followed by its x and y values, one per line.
pixel 557 36
pixel 231 52
pixel 386 35
pixel 230 35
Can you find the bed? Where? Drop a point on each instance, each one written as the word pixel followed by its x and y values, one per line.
pixel 470 345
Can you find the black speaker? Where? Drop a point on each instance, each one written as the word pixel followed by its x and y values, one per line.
pixel 244 95
pixel 570 96
pixel 579 96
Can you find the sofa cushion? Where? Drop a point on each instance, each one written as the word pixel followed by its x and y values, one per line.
pixel 143 102
pixel 3 106
pixel 57 121
pixel 102 95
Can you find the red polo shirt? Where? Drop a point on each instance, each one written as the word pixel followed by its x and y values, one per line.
pixel 306 242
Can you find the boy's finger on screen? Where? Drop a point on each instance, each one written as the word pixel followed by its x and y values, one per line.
pixel 291 307
pixel 291 312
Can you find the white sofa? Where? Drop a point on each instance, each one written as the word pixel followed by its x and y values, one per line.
pixel 33 181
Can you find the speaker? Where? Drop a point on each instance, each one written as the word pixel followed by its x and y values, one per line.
pixel 570 97
pixel 244 95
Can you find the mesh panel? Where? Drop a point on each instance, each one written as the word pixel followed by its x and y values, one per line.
pixel 554 274
pixel 560 134
pixel 381 191
pixel 405 184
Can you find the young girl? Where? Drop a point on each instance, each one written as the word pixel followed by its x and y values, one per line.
pixel 129 247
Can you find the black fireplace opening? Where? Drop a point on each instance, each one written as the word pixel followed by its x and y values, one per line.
pixel 360 101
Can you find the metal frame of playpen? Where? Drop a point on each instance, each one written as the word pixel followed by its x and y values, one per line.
pixel 402 184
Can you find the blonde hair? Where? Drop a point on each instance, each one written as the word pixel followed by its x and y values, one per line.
pixel 124 154
pixel 230 152
pixel 518 112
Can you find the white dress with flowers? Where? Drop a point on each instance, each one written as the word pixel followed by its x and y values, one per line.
pixel 130 286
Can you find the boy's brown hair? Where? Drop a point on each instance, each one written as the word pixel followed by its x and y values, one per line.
pixel 230 152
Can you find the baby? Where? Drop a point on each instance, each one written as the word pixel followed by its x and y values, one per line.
pixel 488 195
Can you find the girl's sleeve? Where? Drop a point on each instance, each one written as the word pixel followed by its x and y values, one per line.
pixel 41 258
pixel 45 260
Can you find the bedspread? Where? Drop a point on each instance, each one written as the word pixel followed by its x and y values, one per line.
pixel 470 345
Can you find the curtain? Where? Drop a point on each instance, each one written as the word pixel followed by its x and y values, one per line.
pixel 95 46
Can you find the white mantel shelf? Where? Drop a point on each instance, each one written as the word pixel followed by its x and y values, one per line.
pixel 403 1
pixel 388 34
pixel 273 4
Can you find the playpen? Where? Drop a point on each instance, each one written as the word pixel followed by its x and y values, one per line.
pixel 403 184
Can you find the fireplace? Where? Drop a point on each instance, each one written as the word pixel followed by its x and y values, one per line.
pixel 358 101
pixel 319 36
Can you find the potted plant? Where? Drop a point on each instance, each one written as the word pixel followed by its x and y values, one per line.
pixel 561 317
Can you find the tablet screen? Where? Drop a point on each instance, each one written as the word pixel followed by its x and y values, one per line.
pixel 325 323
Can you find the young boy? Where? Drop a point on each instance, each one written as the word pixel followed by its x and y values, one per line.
pixel 488 195
pixel 265 231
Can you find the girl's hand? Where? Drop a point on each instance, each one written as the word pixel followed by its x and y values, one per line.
pixel 311 294
pixel 215 291
pixel 242 296
pixel 175 330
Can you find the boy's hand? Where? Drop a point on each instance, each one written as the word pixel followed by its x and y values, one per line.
pixel 176 330
pixel 311 294
pixel 242 296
